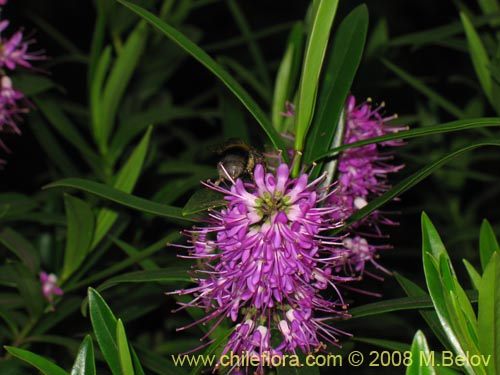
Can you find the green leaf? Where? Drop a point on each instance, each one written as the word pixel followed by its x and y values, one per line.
pixel 32 84
pixel 489 6
pixel 117 82
pixel 342 63
pixel 22 248
pixel 419 350
pixel 232 117
pixel 29 288
pixel 246 76
pixel 84 362
pixel 98 37
pixel 119 266
pixel 316 46
pixel 136 123
pixel 474 276
pixel 431 241
pixel 395 304
pixel 167 275
pixel 159 364
pixel 413 290
pixel 12 204
pixel 125 181
pixel 66 129
pixel 66 306
pixel 44 365
pixel 137 364
pixel 453 126
pixel 51 145
pixel 11 319
pixel 120 197
pixel 104 325
pixel 425 90
pixel 480 59
pixel 202 200
pixel 253 46
pixel 213 67
pixel 411 181
pixel 439 34
pixel 147 264
pixel 447 295
pixel 286 76
pixel 488 243
pixel 489 314
pixel 387 344
pixel 102 63
pixel 378 39
pixel 123 350
pixel 80 232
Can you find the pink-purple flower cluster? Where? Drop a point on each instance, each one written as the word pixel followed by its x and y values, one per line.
pixel 13 54
pixel 267 260
pixel 49 287
pixel 264 261
pixel 362 175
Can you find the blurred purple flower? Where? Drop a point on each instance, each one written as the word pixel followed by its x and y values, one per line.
pixel 264 261
pixel 13 53
pixel 14 50
pixel 49 287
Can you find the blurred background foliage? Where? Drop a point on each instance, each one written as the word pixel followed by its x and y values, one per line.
pixel 417 60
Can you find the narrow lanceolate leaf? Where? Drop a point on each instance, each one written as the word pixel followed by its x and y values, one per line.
pixel 202 200
pixel 425 90
pixel 21 247
pixel 123 350
pixel 431 241
pixel 420 351
pixel 182 41
pixel 447 296
pixel 102 63
pixel 488 243
pixel 286 76
pixel 104 326
pixel 311 68
pixel 250 39
pixel 80 232
pixel 119 77
pixel 412 180
pixel 429 316
pixel 489 315
pixel 45 366
pixel 342 62
pixel 125 181
pixel 84 362
pixel 29 289
pixel 167 275
pixel 480 59
pixel 453 126
pixel 440 299
pixel 474 276
pixel 121 197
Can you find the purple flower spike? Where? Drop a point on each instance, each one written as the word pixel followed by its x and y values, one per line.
pixel 264 261
pixel 362 176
